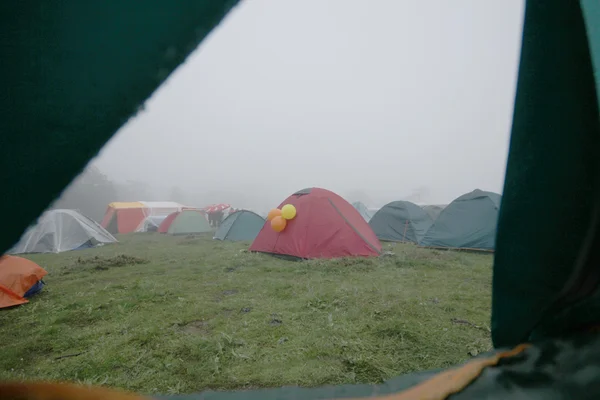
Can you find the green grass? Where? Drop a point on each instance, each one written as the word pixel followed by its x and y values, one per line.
pixel 159 314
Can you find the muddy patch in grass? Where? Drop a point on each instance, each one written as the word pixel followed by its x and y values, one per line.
pixel 276 320
pixel 99 263
pixel 197 327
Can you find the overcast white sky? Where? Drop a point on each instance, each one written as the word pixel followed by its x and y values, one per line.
pixel 378 96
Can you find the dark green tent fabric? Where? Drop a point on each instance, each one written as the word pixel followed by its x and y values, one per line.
pixel 545 261
pixel 322 393
pixel 240 226
pixel 86 67
pixel 189 222
pixel 401 221
pixel 469 222
pixel 516 378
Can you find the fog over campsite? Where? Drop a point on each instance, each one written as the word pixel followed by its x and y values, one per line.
pixel 415 105
pixel 311 199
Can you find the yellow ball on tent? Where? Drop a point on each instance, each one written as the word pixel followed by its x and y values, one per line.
pixel 288 211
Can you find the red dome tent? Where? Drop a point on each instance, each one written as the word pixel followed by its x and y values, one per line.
pixel 326 226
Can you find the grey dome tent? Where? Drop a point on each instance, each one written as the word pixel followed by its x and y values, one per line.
pixel 401 221
pixel 365 212
pixel 468 222
pixel 242 225
pixel 62 230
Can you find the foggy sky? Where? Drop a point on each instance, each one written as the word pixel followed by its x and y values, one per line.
pixel 378 96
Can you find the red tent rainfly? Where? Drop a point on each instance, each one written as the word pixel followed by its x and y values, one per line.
pixel 326 226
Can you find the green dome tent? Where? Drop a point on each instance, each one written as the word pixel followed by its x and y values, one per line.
pixel 240 226
pixel 185 222
pixel 400 221
pixel 72 82
pixel 469 222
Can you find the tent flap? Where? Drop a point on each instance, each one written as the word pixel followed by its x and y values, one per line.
pixel 75 79
pixel 551 183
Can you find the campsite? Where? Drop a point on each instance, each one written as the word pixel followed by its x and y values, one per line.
pixel 176 314
pixel 171 303
pixel 261 200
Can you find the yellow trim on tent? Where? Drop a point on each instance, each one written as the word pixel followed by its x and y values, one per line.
pixel 126 204
pixel 50 391
pixel 452 381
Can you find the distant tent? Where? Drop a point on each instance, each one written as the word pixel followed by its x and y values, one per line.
pixel 365 212
pixel 19 279
pixel 62 230
pixel 401 221
pixel 433 210
pixel 468 222
pixel 185 222
pixel 240 226
pixel 151 223
pixel 127 217
pixel 326 226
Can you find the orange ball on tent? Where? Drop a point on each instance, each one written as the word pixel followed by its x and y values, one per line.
pixel 276 212
pixel 278 223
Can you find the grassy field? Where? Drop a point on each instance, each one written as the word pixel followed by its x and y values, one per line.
pixel 159 314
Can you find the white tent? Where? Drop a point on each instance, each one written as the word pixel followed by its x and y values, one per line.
pixel 62 230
